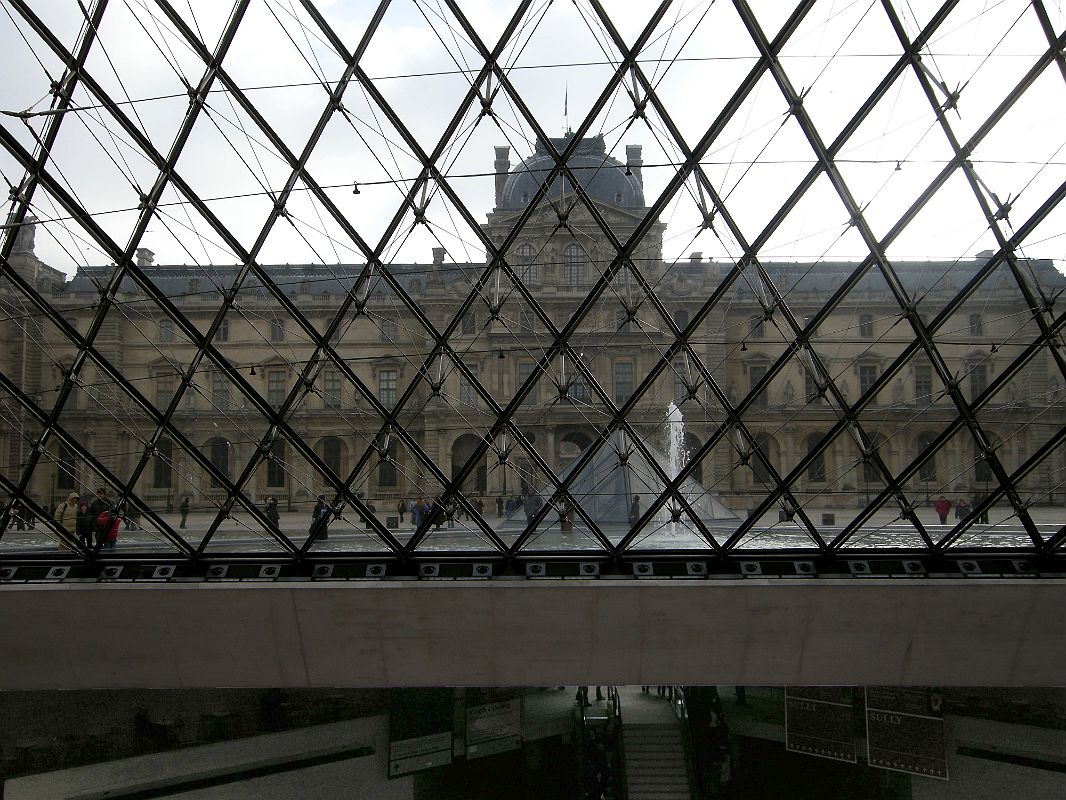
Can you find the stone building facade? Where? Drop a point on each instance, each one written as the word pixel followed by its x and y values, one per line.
pixel 746 342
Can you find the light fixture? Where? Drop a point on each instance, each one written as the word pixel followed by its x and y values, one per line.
pixel 743 347
pixel 355 188
pixel 252 370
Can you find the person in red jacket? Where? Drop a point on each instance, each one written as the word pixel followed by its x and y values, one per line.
pixel 943 508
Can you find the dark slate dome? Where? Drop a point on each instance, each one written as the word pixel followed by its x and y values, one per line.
pixel 603 177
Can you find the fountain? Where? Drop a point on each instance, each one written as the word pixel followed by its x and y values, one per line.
pixel 676 454
pixel 618 471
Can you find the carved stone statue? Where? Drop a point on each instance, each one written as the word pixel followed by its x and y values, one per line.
pixel 790 392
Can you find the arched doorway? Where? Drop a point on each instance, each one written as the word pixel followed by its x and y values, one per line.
pixel 571 445
pixel 331 451
pixel 218 450
pixel 462 451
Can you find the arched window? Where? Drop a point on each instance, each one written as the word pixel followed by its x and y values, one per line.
pixel 573 266
pixel 331 454
pixel 681 318
pixel 816 468
pixel 163 468
pixel 927 471
pixel 65 475
pixel 462 452
pixel 219 452
pixel 528 272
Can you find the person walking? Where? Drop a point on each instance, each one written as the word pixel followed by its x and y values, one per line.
pixel 499 506
pixel 417 509
pixel 634 510
pixel 85 525
pixel 982 516
pixel 320 519
pixel 271 512
pixel 183 509
pixel 962 509
pixel 943 506
pixel 66 514
pixel 401 508
pixel 100 505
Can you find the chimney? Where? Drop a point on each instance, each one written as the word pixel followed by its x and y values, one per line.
pixel 502 167
pixel 634 161
pixel 145 257
pixel 438 255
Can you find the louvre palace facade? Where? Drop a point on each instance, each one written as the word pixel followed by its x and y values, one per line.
pixel 390 411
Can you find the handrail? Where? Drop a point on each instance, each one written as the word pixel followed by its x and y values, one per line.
pixel 680 710
pixel 614 709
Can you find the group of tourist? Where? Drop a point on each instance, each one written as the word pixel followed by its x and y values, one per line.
pixel 93 524
pixel 436 511
pixel 943 507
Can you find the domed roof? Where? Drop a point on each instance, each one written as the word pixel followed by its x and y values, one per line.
pixel 603 177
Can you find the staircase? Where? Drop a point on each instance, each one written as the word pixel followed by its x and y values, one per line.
pixel 655 762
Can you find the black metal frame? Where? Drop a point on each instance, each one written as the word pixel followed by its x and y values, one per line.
pixel 432 179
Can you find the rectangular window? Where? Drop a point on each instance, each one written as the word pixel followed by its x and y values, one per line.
pixel 867 377
pixel 223 332
pixel 467 394
pixel 579 389
pixel 277 332
pixel 276 387
pixel 219 391
pixel 623 381
pixel 164 390
pixel 388 380
pixel 331 388
pixel 977 325
pixel 978 380
pixel 866 326
pixel 389 330
pixel 810 389
pixel 756 372
pixel 923 382
pixel 680 381
pixel 525 369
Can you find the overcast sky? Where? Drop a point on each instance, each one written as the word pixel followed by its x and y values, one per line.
pixel 422 63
